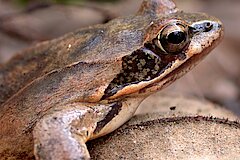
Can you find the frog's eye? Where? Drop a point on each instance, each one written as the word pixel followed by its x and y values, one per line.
pixel 173 38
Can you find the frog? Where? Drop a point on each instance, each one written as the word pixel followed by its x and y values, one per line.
pixel 58 94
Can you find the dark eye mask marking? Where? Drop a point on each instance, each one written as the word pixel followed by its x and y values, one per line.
pixel 142 65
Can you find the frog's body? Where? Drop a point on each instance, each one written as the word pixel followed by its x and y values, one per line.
pixel 59 94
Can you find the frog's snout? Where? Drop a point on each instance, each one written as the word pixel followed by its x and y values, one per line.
pixel 218 25
pixel 219 28
pixel 206 26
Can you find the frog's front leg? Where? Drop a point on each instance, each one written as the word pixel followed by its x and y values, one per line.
pixel 62 133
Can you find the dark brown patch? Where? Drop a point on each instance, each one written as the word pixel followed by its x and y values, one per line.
pixel 115 109
pixel 144 64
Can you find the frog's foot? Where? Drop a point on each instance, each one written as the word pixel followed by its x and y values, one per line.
pixel 62 134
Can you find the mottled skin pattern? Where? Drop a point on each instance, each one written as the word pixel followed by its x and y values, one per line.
pixel 58 94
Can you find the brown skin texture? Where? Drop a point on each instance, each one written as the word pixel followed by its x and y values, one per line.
pixel 72 72
pixel 50 74
pixel 99 44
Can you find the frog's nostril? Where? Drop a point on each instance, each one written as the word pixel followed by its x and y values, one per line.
pixel 208 26
pixel 219 26
pixel 203 26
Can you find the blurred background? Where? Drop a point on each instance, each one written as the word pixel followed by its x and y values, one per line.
pixel 217 78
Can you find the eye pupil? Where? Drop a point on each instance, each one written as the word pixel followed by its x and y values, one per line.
pixel 176 37
pixel 173 38
pixel 208 24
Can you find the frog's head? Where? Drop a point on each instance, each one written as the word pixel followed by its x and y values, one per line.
pixel 175 42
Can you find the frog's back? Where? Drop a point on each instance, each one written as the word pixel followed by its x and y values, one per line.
pixel 93 44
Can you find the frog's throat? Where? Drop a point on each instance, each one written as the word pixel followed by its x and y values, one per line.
pixel 143 65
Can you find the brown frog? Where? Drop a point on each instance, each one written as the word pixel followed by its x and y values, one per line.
pixel 59 94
